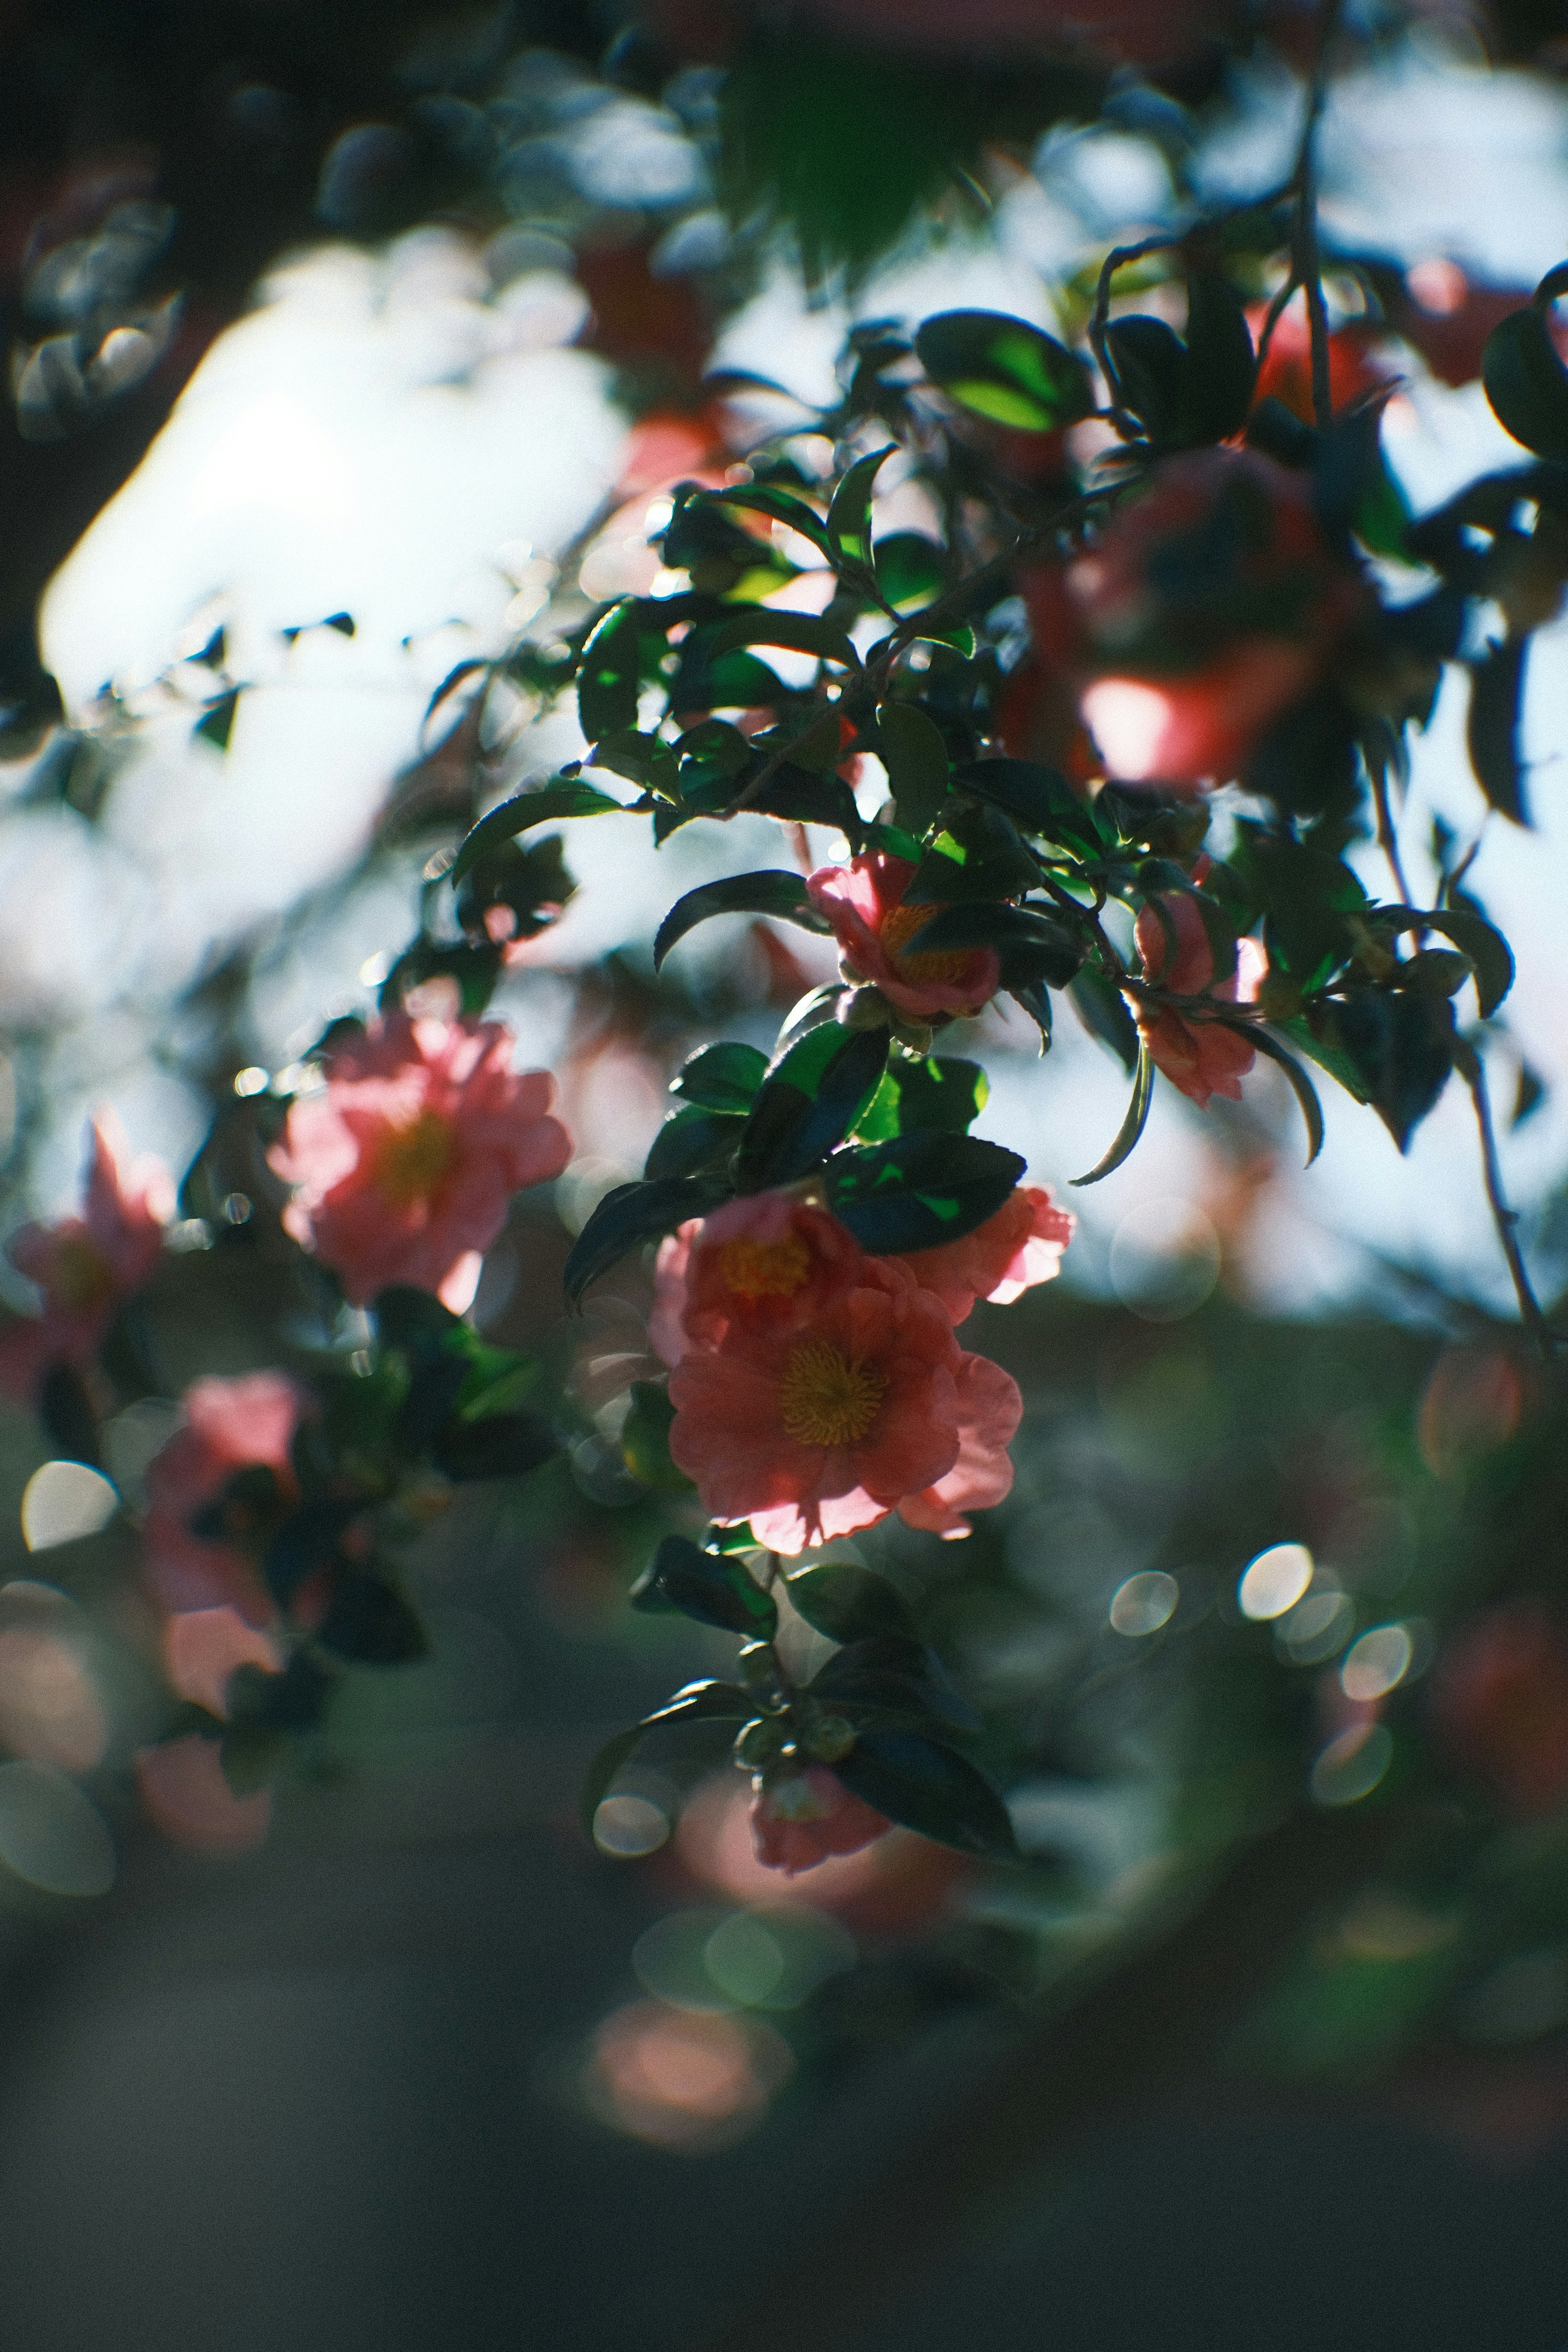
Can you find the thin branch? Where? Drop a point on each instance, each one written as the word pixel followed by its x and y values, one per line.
pixel 1307 267
pixel 1387 839
pixel 1471 1068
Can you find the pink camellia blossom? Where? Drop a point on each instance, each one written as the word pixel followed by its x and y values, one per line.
pixel 800 1820
pixel 86 1265
pixel 863 902
pixel 229 1425
pixel 765 1263
pixel 1020 1246
pixel 203 1647
pixel 869 1406
pixel 1202 1057
pixel 406 1163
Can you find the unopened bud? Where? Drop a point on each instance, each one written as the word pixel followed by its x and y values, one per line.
pixel 864 1008
pixel 830 1738
pixel 757 1744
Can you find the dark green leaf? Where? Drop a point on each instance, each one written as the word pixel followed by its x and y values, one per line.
pixel 849 515
pixel 632 1215
pixel 1032 946
pixel 1101 1007
pixel 911 569
pixel 938 1095
pixel 1497 696
pixel 307 1540
pixel 1302 1086
pixel 977 854
pixel 546 805
pixel 1527 383
pixel 493 1445
pixel 712 1587
pixel 1487 948
pixel 642 758
pixel 1132 1126
pixel 892 1672
pixel 1222 368
pixel 217 724
pixel 927 1786
pixel 704 1702
pixel 773 891
pixel 849 1604
pixel 690 1140
pixel 608 673
pixel 723 1077
pixel 920 1191
pixel 1149 375
pixel 1037 799
pixel 1402 1044
pixel 1002 367
pixel 369 1621
pixel 915 757
pixel 800 633
pixel 758 498
pixel 808 1103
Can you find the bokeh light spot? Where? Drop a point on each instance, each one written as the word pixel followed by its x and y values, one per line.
pixel 64 1501
pixel 1164 1259
pixel 1376 1664
pixel 50 1834
pixel 682 2081
pixel 1274 1581
pixel 1351 1765
pixel 49 1706
pixel 629 1826
pixel 1144 1602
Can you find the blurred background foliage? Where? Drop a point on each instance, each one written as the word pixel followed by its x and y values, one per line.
pixel 1293 1901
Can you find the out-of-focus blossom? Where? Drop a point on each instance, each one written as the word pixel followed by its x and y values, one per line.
pixel 863 902
pixel 86 1265
pixel 405 1163
pixel 184 1794
pixel 203 1647
pixel 764 1264
pixel 229 1425
pixel 1020 1246
pixel 1500 1704
pixel 1358 362
pixel 803 1819
pixel 1202 1057
pixel 1211 604
pixel 870 1407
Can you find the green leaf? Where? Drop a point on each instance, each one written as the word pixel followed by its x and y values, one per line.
pixel 642 758
pixel 714 1588
pixel 723 1077
pixel 759 498
pixel 608 673
pixel 370 1623
pixel 692 1140
pixel 1132 1126
pixel 1001 367
pixel 927 1786
pixel 977 854
pixel 1302 1086
pixel 1490 953
pixel 1032 946
pixel 1222 367
pixel 809 1101
pixel 645 1440
pixel 493 1445
pixel 920 1191
pixel 1101 1007
pixel 1402 1044
pixel 915 757
pixel 799 633
pixel 773 891
pixel 703 1702
pixel 1497 699
pixel 848 1603
pixel 1037 799
pixel 892 1672
pixel 1310 1032
pixel 849 515
pixel 911 569
pixel 944 1096
pixel 217 723
pixel 1527 383
pixel 1151 376
pixel 547 805
pixel 632 1215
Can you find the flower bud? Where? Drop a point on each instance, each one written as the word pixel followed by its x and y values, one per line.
pixel 757 1744
pixel 830 1738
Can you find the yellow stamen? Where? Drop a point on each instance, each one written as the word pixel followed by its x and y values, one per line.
pixel 409 1161
pixel 764 1269
pixel 825 1400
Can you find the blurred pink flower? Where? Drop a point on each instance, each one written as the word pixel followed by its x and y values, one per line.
pixel 201 1647
pixel 869 1406
pixel 406 1164
pixel 229 1425
pixel 863 902
pixel 1201 1057
pixel 766 1261
pixel 801 1821
pixel 1020 1246
pixel 86 1265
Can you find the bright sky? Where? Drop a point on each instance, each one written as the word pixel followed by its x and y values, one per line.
pixel 389 436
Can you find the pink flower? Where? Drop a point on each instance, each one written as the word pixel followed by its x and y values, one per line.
pixel 1020 1246
pixel 203 1647
pixel 406 1163
pixel 763 1264
pixel 86 1265
pixel 1201 1057
pixel 229 1425
pixel 868 1407
pixel 863 902
pixel 800 1820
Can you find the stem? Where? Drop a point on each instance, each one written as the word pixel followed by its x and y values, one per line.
pixel 1387 840
pixel 1471 1068
pixel 1306 271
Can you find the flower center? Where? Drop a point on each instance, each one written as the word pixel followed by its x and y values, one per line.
pixel 934 967
pixel 766 1269
pixel 410 1160
pixel 825 1400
